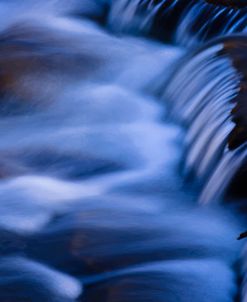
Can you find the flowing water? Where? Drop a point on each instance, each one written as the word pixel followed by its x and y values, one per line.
pixel 93 204
pixel 183 22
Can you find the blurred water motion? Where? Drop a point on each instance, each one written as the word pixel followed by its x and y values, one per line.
pixel 182 22
pixel 92 203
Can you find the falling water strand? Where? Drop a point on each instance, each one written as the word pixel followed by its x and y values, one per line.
pixel 183 22
pixel 227 168
pixel 206 109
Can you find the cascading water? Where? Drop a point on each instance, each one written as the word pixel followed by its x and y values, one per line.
pixel 184 22
pixel 155 18
pixel 212 22
pixel 214 110
pixel 92 204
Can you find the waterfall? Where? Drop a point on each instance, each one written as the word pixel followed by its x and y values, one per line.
pixel 212 111
pixel 183 22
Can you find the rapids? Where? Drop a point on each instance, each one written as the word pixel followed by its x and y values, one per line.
pixel 94 126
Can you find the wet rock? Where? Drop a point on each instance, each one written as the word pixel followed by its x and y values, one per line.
pixel 170 281
pixel 103 236
pixel 31 53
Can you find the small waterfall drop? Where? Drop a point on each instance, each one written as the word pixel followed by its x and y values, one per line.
pixel 183 22
pixel 214 111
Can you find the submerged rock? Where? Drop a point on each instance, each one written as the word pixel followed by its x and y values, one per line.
pixel 32 52
pixel 26 280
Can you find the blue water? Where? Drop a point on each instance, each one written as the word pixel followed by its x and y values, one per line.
pixel 93 206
